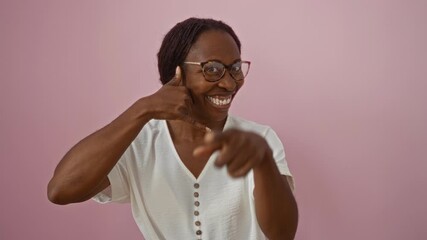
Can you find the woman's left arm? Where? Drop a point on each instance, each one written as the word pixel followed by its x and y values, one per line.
pixel 275 205
pixel 242 151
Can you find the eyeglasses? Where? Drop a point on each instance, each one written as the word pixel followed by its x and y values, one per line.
pixel 213 70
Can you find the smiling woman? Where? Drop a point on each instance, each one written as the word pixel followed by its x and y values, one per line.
pixel 212 96
pixel 187 167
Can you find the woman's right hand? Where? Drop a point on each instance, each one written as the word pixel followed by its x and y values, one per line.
pixel 172 101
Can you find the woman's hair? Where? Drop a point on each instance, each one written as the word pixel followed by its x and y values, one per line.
pixel 180 38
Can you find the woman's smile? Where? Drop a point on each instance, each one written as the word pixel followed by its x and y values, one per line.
pixel 221 102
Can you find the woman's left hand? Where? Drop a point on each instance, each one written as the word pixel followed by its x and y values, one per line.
pixel 241 151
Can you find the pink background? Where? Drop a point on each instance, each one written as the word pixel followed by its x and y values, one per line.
pixel 342 82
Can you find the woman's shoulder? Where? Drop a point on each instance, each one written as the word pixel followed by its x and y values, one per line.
pixel 154 125
pixel 151 129
pixel 246 125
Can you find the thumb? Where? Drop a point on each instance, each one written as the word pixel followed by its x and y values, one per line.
pixel 177 79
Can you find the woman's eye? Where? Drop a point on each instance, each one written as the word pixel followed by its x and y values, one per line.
pixel 236 69
pixel 211 70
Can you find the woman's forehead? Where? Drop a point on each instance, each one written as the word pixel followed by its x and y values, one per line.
pixel 214 44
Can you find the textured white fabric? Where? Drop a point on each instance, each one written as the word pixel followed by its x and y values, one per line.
pixel 151 176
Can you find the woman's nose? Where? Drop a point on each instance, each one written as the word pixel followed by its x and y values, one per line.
pixel 227 82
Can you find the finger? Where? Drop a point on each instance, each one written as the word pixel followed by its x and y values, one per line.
pixel 194 123
pixel 206 150
pixel 189 102
pixel 226 156
pixel 177 79
pixel 210 137
pixel 186 114
pixel 232 143
pixel 234 154
pixel 242 171
pixel 213 141
pixel 217 137
pixel 253 160
pixel 208 147
pixel 239 161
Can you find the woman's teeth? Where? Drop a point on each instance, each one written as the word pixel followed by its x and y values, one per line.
pixel 219 101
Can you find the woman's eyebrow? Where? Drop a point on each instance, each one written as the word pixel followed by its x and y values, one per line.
pixel 217 60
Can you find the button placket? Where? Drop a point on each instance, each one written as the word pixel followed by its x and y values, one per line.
pixel 196 213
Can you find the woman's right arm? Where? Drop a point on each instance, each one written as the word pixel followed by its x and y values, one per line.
pixel 83 171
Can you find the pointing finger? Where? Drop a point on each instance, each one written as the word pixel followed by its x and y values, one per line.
pixel 209 147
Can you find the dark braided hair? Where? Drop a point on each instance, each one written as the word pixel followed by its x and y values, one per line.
pixel 180 38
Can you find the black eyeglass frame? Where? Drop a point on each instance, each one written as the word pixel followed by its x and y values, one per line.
pixel 226 68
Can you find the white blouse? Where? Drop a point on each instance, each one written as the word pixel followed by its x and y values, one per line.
pixel 168 202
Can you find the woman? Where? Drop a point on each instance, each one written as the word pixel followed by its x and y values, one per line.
pixel 189 170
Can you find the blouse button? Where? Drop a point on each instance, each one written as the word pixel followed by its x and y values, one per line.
pixel 199 232
pixel 196 185
pixel 197 223
pixel 196 213
pixel 196 194
pixel 197 203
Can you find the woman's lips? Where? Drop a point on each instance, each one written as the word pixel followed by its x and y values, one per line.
pixel 220 101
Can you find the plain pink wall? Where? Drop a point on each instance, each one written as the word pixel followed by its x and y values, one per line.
pixel 342 82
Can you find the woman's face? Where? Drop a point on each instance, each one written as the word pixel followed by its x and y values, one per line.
pixel 212 100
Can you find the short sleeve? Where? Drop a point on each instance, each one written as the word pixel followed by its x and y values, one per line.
pixel 118 191
pixel 279 155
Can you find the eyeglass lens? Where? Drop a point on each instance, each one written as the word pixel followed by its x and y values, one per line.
pixel 214 71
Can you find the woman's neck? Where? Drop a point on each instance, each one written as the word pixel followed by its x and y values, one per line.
pixel 182 130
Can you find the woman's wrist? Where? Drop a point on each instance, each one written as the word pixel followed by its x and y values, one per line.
pixel 142 110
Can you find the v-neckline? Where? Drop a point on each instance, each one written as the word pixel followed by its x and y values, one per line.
pixel 181 163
